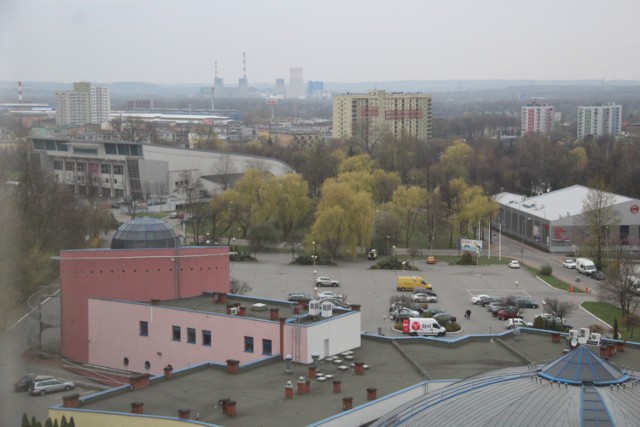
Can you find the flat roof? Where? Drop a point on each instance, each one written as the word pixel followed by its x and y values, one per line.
pixel 393 364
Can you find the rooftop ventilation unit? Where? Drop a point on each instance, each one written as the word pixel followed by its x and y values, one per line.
pixel 314 308
pixel 326 309
pixel 234 311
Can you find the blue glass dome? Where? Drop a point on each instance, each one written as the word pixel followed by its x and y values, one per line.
pixel 145 233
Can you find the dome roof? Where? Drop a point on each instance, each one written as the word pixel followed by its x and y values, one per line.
pixel 145 233
pixel 581 366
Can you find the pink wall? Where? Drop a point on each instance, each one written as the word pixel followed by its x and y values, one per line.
pixel 114 335
pixel 133 275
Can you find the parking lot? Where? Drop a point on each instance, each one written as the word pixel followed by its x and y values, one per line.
pixel 273 277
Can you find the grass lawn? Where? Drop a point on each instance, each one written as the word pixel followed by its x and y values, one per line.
pixel 608 312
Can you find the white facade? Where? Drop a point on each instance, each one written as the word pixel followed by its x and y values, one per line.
pixel 85 104
pixel 599 120
pixel 536 118
pixel 296 84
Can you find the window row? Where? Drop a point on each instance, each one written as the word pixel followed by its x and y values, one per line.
pixel 135 270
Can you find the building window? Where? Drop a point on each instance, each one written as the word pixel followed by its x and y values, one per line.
pixel 147 365
pixel 69 166
pixel 206 338
pixel 266 347
pixel 125 361
pixel 176 333
pixel 57 165
pixel 624 234
pixel 82 167
pixel 191 335
pixel 144 328
pixel 248 344
pixel 117 169
pixel 105 168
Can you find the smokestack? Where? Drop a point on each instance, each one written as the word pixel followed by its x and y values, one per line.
pixel 20 91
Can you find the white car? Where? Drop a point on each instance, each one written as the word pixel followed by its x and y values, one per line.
pixel 476 299
pixel 514 264
pixel 326 281
pixel 328 295
pixel 569 263
pixel 424 298
pixel 518 323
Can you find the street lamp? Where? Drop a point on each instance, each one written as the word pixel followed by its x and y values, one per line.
pixel 388 240
pixel 313 258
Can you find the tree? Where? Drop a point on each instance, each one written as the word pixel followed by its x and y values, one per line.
pixel 239 287
pixel 621 284
pixel 286 201
pixel 408 202
pixel 262 236
pixel 343 218
pixel 599 213
pixel 191 189
pixel 560 309
pixel 133 129
pixel 248 195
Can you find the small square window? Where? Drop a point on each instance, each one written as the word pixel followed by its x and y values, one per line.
pixel 191 335
pixel 266 347
pixel 248 344
pixel 206 338
pixel 144 328
pixel 176 333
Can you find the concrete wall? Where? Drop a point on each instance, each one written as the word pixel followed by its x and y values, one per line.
pixel 133 275
pixel 114 335
pixel 102 419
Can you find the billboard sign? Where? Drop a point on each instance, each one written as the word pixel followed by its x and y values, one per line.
pixel 471 245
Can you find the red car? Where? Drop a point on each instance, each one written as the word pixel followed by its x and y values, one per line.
pixel 509 313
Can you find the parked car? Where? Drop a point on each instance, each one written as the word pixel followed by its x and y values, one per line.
pixel 484 301
pixel 524 302
pixel 24 383
pixel 326 281
pixel 424 291
pixel 514 264
pixel 424 298
pixel 476 299
pixel 431 259
pixel 403 313
pixel 372 255
pixel 569 263
pixel 598 275
pixel 431 312
pixel 50 385
pixel 509 313
pixel 329 295
pixel 298 296
pixel 516 322
pixel 444 318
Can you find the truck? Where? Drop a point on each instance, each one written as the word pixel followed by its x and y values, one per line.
pixel 415 326
pixel 585 266
pixel 409 283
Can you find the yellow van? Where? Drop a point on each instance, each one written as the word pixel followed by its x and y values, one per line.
pixel 409 283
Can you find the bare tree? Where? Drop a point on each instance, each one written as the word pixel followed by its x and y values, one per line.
pixel 239 287
pixel 133 129
pixel 621 285
pixel 131 205
pixel 560 309
pixel 224 169
pixel 191 188
pixel 599 213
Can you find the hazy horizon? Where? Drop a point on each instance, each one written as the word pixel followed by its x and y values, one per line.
pixel 177 42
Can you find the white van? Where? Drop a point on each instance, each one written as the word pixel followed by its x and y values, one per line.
pixel 415 326
pixel 585 266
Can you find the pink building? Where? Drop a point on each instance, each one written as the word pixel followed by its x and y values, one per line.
pixel 536 117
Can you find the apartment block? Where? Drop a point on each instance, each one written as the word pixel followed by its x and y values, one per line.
pixel 375 113
pixel 599 120
pixel 84 104
pixel 535 117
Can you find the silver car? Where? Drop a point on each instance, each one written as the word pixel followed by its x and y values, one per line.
pixel 50 385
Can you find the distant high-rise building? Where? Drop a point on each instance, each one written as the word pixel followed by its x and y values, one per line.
pixel 373 114
pixel 536 117
pixel 218 87
pixel 280 89
pixel 84 104
pixel 599 120
pixel 315 89
pixel 296 84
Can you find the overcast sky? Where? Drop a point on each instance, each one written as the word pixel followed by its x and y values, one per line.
pixel 177 41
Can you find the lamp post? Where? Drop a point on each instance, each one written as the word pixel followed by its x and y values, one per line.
pixel 313 258
pixel 388 241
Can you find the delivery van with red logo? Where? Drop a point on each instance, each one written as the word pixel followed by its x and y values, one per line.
pixel 415 326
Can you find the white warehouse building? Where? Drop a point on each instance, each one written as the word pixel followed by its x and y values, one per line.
pixel 554 221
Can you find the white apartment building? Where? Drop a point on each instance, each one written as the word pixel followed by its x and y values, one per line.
pixel 599 120
pixel 536 117
pixel 376 113
pixel 84 104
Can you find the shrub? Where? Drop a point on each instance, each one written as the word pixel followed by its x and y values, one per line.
pixel 466 259
pixel 394 263
pixel 546 270
pixel 538 323
pixel 597 328
pixel 452 327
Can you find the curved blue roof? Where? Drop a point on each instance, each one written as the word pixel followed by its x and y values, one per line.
pixel 582 366
pixel 145 233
